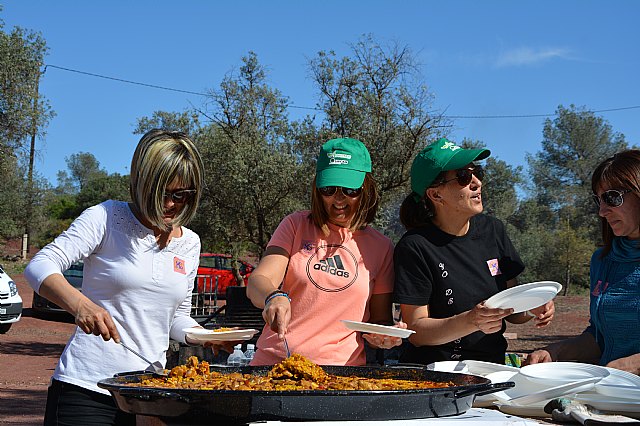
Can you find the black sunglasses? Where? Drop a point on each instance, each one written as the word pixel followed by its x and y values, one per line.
pixel 329 191
pixel 180 196
pixel 464 176
pixel 612 197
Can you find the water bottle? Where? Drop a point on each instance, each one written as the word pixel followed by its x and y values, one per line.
pixel 249 353
pixel 237 357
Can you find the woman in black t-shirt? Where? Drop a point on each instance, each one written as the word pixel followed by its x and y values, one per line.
pixel 453 258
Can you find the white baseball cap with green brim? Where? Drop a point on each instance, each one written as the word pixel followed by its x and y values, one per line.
pixel 342 162
pixel 438 157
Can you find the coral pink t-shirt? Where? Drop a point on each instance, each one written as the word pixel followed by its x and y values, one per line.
pixel 328 279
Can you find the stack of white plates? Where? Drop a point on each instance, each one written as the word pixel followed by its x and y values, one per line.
pixel 619 393
pixel 537 384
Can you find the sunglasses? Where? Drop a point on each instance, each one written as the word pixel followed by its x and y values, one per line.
pixel 180 196
pixel 329 191
pixel 612 197
pixel 464 176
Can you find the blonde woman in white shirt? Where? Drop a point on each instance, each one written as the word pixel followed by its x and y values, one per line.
pixel 140 262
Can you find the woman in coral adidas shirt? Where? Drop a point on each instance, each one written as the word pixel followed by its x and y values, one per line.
pixel 326 265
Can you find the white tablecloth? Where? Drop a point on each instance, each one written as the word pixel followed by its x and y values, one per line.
pixel 475 415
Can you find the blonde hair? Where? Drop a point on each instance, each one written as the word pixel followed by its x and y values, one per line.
pixel 160 159
pixel 365 212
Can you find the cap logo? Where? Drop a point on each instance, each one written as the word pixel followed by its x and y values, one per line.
pixel 450 145
pixel 337 158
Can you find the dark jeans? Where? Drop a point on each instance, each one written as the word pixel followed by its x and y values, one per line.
pixel 71 405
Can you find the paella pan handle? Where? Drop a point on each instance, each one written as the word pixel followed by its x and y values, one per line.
pixel 152 395
pixel 484 389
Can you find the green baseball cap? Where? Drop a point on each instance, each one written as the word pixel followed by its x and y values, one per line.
pixel 342 162
pixel 440 156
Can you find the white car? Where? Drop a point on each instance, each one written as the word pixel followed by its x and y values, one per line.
pixel 10 302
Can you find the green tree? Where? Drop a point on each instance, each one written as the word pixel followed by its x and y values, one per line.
pixel 187 122
pixel 21 60
pixel 12 200
pixel 573 144
pixel 24 114
pixel 254 177
pixel 83 167
pixel 101 187
pixel 499 195
pixel 377 95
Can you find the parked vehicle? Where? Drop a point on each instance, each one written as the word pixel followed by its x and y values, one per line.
pixel 74 276
pixel 10 302
pixel 222 266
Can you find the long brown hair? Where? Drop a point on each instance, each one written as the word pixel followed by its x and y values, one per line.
pixel 622 171
pixel 364 215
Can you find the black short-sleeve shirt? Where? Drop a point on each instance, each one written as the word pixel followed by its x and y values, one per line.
pixel 451 275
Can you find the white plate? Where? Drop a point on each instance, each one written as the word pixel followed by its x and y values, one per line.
pixel 501 376
pixel 525 296
pixel 628 392
pixel 387 330
pixel 482 368
pixel 558 373
pixel 206 335
pixel 617 405
pixel 620 378
pixel 555 392
pixel 495 377
pixel 449 366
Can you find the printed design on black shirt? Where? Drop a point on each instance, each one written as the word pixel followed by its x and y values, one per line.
pixel 448 292
pixel 494 267
pixel 332 267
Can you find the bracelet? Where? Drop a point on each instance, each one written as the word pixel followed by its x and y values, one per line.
pixel 275 294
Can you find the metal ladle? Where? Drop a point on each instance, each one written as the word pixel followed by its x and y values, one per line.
pixel 155 367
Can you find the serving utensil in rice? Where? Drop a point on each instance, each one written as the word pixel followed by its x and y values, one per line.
pixel 154 367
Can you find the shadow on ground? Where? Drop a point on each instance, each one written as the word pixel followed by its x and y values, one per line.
pixel 31 403
pixel 31 349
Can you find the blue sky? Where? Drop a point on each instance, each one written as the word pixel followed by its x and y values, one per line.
pixel 480 58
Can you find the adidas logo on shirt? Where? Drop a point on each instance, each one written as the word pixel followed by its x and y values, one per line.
pixel 332 265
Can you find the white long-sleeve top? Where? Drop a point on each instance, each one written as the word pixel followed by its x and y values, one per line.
pixel 146 290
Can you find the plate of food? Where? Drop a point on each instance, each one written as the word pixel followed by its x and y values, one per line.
pixel 220 334
pixel 387 330
pixel 525 296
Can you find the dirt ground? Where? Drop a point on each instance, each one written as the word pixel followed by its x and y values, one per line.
pixel 30 351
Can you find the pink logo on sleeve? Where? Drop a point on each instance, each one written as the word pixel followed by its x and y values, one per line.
pixel 494 268
pixel 178 266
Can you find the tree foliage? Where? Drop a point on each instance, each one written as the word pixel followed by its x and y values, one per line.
pixel 255 177
pixel 376 95
pixel 573 144
pixel 21 61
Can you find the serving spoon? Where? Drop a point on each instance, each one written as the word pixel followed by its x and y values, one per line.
pixel 286 347
pixel 155 367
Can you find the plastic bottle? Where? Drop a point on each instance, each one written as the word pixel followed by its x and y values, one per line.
pixel 237 357
pixel 249 353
